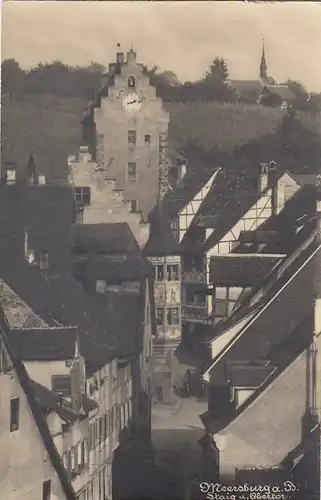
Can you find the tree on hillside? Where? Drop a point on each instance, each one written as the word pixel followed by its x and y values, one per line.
pixel 12 77
pixel 214 84
pixel 218 71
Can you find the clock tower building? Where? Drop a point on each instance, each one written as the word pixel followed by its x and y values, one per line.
pixel 127 130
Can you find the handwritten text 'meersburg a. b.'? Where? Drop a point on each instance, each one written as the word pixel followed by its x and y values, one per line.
pixel 217 491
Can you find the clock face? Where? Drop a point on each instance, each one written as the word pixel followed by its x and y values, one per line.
pixel 132 103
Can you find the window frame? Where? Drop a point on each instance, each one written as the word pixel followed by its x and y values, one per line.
pixel 147 138
pixel 169 272
pixel 133 206
pixel 132 137
pixel 54 379
pixel 170 311
pixel 132 176
pixel 46 489
pixel 157 268
pixel 162 310
pixel 14 414
pixel 82 195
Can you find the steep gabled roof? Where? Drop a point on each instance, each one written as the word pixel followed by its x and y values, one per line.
pixel 61 300
pixel 287 306
pixel 36 411
pixel 287 229
pixel 233 194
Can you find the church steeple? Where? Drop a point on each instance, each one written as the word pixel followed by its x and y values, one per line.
pixel 263 65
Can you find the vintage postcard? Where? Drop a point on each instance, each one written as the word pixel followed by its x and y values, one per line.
pixel 160 252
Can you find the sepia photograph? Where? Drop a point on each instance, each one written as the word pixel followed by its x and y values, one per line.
pixel 160 252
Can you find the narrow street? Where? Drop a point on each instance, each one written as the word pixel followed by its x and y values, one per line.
pixel 176 430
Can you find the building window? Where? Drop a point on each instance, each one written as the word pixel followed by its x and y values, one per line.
pixel 173 316
pixel 147 138
pixel 159 272
pixel 61 384
pixel 174 228
pixel 194 297
pixel 131 82
pixel 82 195
pixel 200 299
pixel 173 272
pixel 159 316
pixel 131 171
pixel 14 414
pixel 221 308
pixel 46 490
pixel 100 286
pixel 133 206
pixel 44 261
pixel 132 137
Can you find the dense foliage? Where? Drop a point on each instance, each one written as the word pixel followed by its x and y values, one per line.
pixel 42 109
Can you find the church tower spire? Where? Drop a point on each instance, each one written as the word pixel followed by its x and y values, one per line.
pixel 263 65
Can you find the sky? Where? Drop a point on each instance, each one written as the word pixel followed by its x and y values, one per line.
pixel 180 36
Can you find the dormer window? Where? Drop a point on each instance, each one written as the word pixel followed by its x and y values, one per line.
pixel 131 82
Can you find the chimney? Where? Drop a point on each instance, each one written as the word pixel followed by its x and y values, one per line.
pixel 263 177
pixel 131 58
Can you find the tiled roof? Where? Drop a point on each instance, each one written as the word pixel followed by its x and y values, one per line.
pixel 286 310
pixel 36 411
pixel 199 173
pixel 246 85
pixel 114 238
pixel 232 196
pixel 60 299
pixel 282 90
pixel 313 179
pixel 241 270
pixel 297 213
pixel 48 399
pixel 51 344
pixel 46 211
